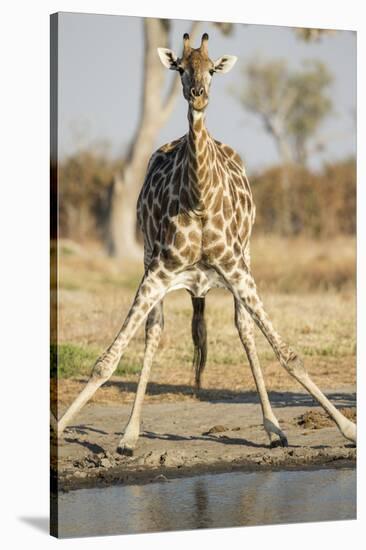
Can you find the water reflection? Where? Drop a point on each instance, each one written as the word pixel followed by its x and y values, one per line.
pixel 221 500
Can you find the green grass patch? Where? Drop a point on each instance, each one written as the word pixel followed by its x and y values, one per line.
pixel 69 285
pixel 66 251
pixel 126 282
pixel 68 360
pixel 329 351
pixel 72 360
pixel 126 366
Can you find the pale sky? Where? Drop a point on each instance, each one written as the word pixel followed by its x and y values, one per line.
pixel 100 77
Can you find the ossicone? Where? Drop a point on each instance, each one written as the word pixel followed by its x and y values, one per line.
pixel 204 44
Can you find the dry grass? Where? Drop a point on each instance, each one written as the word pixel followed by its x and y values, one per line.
pixel 319 323
pixel 304 265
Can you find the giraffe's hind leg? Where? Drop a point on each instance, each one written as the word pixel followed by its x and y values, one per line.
pixel 245 327
pixel 153 330
pixel 242 285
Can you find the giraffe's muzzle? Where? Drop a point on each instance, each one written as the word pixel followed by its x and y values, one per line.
pixel 200 101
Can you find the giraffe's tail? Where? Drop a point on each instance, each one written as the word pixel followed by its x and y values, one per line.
pixel 199 335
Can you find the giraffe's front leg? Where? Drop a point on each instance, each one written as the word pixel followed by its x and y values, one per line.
pixel 240 281
pixel 154 327
pixel 151 291
pixel 244 324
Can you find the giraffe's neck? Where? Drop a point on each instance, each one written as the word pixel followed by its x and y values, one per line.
pixel 198 160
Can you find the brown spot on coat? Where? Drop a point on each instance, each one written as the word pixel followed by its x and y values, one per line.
pixel 183 219
pixel 227 257
pixel 171 260
pixel 237 249
pixel 161 275
pixel 184 199
pixel 227 209
pixel 209 237
pixel 152 229
pixel 218 221
pixel 174 208
pixel 230 265
pixel 202 172
pixel 217 205
pixel 169 229
pixel 218 250
pixel 179 240
pixel 236 276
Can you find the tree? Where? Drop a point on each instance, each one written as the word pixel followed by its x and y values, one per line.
pixel 311 104
pixel 292 104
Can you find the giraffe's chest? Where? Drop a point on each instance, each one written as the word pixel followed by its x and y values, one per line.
pixel 227 224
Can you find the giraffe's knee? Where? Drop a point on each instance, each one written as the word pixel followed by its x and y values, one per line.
pixel 295 366
pixel 104 367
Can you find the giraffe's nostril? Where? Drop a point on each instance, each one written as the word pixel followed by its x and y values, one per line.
pixel 196 92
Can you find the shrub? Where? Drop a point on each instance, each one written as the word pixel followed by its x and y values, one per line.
pixel 321 204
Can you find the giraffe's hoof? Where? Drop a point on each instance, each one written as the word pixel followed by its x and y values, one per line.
pixel 350 432
pixel 124 450
pixel 280 442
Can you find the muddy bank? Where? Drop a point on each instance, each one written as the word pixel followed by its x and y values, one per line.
pixel 193 437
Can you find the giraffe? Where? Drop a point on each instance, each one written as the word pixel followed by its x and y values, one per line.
pixel 196 213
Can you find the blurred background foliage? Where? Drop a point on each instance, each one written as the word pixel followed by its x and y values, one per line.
pixel 321 204
pixel 85 187
pixel 98 194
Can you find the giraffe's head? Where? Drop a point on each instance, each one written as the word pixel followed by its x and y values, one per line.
pixel 196 70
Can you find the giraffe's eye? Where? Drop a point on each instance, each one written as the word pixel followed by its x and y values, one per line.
pixel 181 70
pixel 211 71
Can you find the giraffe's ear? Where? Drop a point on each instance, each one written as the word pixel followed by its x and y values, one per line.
pixel 168 58
pixel 225 63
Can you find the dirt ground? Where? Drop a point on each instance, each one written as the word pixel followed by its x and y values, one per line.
pixel 190 437
pixel 310 297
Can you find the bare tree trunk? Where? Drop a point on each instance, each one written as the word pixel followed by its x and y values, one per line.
pixel 122 224
pixel 155 111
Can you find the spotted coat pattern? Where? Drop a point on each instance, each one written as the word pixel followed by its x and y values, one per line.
pixel 196 208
